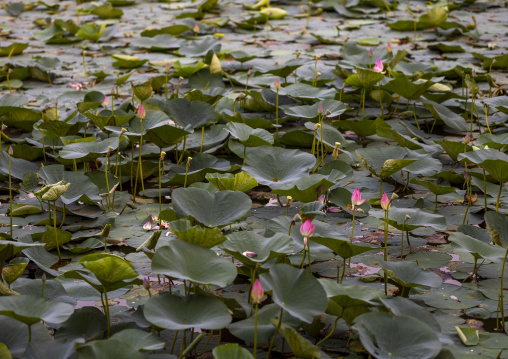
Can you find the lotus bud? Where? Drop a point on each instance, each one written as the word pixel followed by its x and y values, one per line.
pixel 84 52
pixel 467 139
pixel 493 62
pixel 249 254
pixel 241 96
pixel 385 202
pixel 394 196
pixel 277 84
pixel 105 232
pixel 289 198
pixel 215 66
pixel 10 151
pixel 113 92
pixel 371 52
pixel 196 28
pixel 180 79
pixel 318 74
pixel 337 144
pixel 44 278
pixel 123 131
pixel 167 67
pixel 146 283
pixel 378 67
pixel 476 148
pixel 163 155
pixel 327 112
pixel 407 217
pixel 189 161
pixel 141 112
pixel 474 73
pixel 249 73
pixel 307 229
pixel 320 110
pixel 356 198
pixel 110 149
pixel 257 292
pixel 318 125
pixel 318 57
pixel 486 147
pixel 467 176
pixel 389 47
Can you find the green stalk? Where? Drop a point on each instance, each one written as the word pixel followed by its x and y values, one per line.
pixel 106 311
pixel 468 189
pixel 56 235
pixel 363 101
pixel 353 228
pixel 202 138
pixel 255 330
pixel 277 114
pixel 386 250
pixel 485 189
pixel 160 186
pixel 329 334
pixel 501 296
pixel 108 197
pixel 308 250
pixel 275 335
pixel 140 161
pixel 381 99
pixel 10 189
pixel 499 196
pixel 322 143
pixel 304 254
pixel 414 114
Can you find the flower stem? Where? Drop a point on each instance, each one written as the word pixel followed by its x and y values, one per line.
pixel 255 330
pixel 275 335
pixel 499 196
pixel 308 250
pixel 386 250
pixel 56 234
pixel 501 295
pixel 10 191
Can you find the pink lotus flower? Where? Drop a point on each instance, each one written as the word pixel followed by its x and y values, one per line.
pixel 77 85
pixel 257 293
pixel 322 199
pixel 277 84
pixel 356 198
pixel 378 67
pixel 385 202
pixel 141 112
pixel 307 229
pixel 249 254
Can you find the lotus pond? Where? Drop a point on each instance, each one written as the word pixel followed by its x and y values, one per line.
pixel 225 179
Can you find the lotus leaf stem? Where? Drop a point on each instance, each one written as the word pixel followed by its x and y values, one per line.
pixel 10 191
pixel 501 295
pixel 499 196
pixel 329 334
pixel 174 342
pixel 183 344
pixel 56 234
pixel 386 249
pixel 106 309
pixel 274 335
pixel 193 344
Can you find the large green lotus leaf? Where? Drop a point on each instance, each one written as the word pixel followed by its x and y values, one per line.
pixel 81 187
pixel 481 155
pixel 361 128
pixel 186 70
pixel 477 248
pixel 330 136
pixel 302 91
pixel 31 309
pixel 204 237
pixel 275 167
pixel 50 238
pixel 239 182
pixel 50 349
pixel 60 128
pixel 410 274
pixel 165 136
pixel 128 62
pixel 500 103
pixel 9 248
pixel 343 248
pixel 249 136
pixel 15 336
pixel 231 351
pixel 351 295
pixel 417 218
pixel 108 268
pixel 107 349
pixel 497 225
pixel 265 248
pixel 454 149
pixel 84 324
pixel 86 151
pixel 252 120
pixel 91 31
pixel 174 30
pixel 192 311
pixel 213 139
pixel 434 187
pixel 107 12
pixel 195 114
pixel 154 120
pixel 404 306
pixel 6 354
pixel 342 197
pixel 368 78
pixel 244 329
pixel 200 166
pixel 211 209
pixel 139 339
pixel 309 188
pixel 497 169
pixel 191 262
pixel 13 49
pixel 196 48
pixel 443 113
pixel 282 70
pixel 406 88
pixel 19 167
pixel 451 296
pixel 496 142
pixel 396 337
pixel 300 346
pixel 311 111
pixel 384 161
pixel 296 291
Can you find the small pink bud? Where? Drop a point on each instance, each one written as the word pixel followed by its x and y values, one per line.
pixel 277 84
pixel 356 198
pixel 43 277
pixel 371 52
pixel 257 293
pixel 320 110
pixel 474 73
pixel 168 65
pixel 249 254
pixel 141 112
pixel 322 199
pixel 113 92
pixel 146 283
pixel 467 139
pixel 307 228
pixel 10 151
pixel 106 101
pixel 389 47
pixel 385 202
pixel 467 176
pixel 196 28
